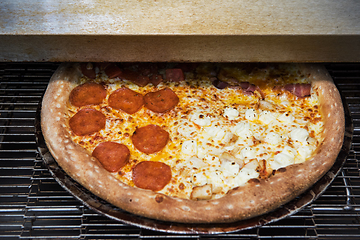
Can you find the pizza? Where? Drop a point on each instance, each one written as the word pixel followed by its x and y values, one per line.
pixel 193 142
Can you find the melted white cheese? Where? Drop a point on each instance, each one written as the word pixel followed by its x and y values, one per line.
pixel 251 114
pixel 267 117
pixel 189 147
pixel 200 119
pixel 299 135
pixel 231 113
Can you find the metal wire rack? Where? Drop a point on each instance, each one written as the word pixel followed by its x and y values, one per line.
pixel 34 206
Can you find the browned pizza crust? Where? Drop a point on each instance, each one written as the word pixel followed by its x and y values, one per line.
pixel 255 198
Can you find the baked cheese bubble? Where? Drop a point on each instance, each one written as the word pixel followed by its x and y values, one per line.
pixel 219 138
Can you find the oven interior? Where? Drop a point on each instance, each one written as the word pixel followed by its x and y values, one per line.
pixel 34 206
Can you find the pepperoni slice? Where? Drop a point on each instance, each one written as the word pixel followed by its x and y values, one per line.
pixel 112 70
pixel 126 99
pixel 161 101
pixel 151 175
pixel 148 69
pixel 112 155
pixel 174 75
pixel 248 87
pixel 88 70
pixel 300 89
pixel 150 139
pixel 87 121
pixel 135 77
pixel 219 84
pixel 187 67
pixel 156 79
pixel 87 94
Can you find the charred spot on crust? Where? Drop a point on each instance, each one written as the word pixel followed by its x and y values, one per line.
pixel 159 198
pixel 281 170
pixel 234 189
pixel 254 180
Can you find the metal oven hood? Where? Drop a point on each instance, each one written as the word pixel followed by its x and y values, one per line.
pixel 184 30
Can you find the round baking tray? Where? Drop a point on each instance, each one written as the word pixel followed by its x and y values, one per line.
pixel 101 206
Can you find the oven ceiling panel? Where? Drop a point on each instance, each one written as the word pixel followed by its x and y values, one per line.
pixel 184 30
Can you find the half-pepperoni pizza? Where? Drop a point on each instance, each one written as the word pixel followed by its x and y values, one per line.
pixel 194 143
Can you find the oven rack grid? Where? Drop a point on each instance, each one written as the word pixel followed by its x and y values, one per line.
pixel 34 206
